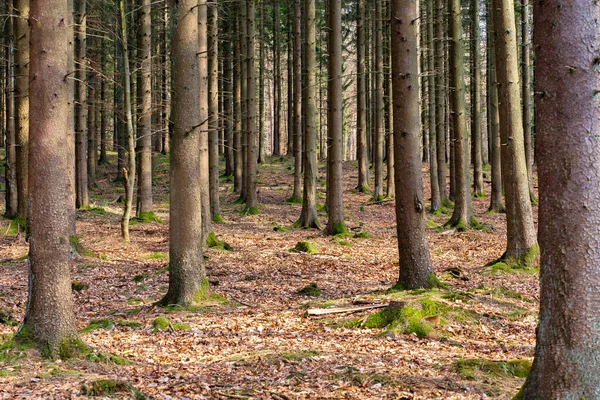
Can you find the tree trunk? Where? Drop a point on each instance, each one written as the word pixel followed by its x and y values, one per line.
pixel 228 114
pixel 526 82
pixel 166 80
pixel 104 99
pixel 81 179
pixel 251 159
pixel 462 213
pixel 91 118
pixel 378 94
pixel 22 105
pixel 129 171
pixel 238 164
pixel 10 172
pixel 521 236
pixel 495 157
pixel 290 82
pixel 49 318
pixel 335 200
pixel 186 272
pixel 276 80
pixel 440 94
pixel 391 175
pixel 433 167
pixel 261 81
pixel 415 264
pixel 361 118
pixel 308 215
pixel 144 118
pixel 297 195
pixel 567 355
pixel 476 100
pixel 213 111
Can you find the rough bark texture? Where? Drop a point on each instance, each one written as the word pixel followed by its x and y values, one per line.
pixel 81 182
pixel 252 154
pixel 228 116
pixel 378 94
pixel 103 101
pixel 415 263
pixel 308 215
pixel 276 80
pixel 476 100
pixel 22 104
pixel 391 175
pixel 567 355
pixel 238 164
pixel 436 200
pixel 290 83
pixel 204 117
pixel 49 318
pixel 519 219
pixel 494 123
pixel 186 262
pixel 213 111
pixel 91 118
pixel 526 91
pixel 361 117
pixel 335 201
pixel 297 103
pixel 144 117
pixel 440 94
pixel 10 172
pixel 461 216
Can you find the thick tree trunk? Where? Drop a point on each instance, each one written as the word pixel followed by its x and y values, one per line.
pixel 243 38
pixel 308 215
pixel 361 117
pixel 213 111
pixel 440 95
pixel 186 272
pixel 494 123
pixel 22 104
pixel 10 172
pixel 144 117
pixel 166 80
pixel 49 319
pixel 521 236
pixel 567 355
pixel 335 200
pixel 462 213
pixel 476 100
pixel 81 178
pixel 251 159
pixel 415 264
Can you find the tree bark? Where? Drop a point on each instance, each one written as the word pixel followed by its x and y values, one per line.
pixel 49 319
pixel 81 178
pixel 22 104
pixel 567 356
pixel 213 111
pixel 476 100
pixel 415 264
pixel 251 159
pixel 276 80
pixel 335 200
pixel 10 173
pixel 433 161
pixel 297 195
pixel 440 94
pixel 91 117
pixel 521 236
pixel 204 117
pixel 378 94
pixel 361 118
pixel 526 82
pixel 228 115
pixel 186 262
pixel 103 101
pixel 238 164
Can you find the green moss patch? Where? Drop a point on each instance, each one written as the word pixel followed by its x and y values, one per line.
pixel 305 247
pixel 279 229
pixel 158 255
pixel 214 243
pixel 147 217
pixel 15 226
pixel 141 278
pixel 78 247
pixel 342 243
pixel 160 324
pixel 7 319
pixel 79 286
pixel 362 235
pixel 528 263
pixel 470 368
pixel 294 200
pixel 299 355
pixel 109 324
pixel 93 210
pixel 111 387
pixel 311 290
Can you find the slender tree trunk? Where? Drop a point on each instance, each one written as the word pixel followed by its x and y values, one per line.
pixel 521 236
pixel 204 105
pixel 423 84
pixel 22 104
pixel 186 262
pixel 297 195
pixel 129 172
pixel 290 82
pixel 49 317
pixel 237 113
pixel 119 117
pixel 276 80
pixel 378 94
pixel 495 155
pixel 436 200
pixel 261 81
pixel 243 16
pixel 462 213
pixel 104 99
pixel 91 118
pixel 144 118
pixel 391 174
pixel 81 179
pixel 526 82
pixel 567 355
pixel 308 215
pixel 335 200
pixel 213 111
pixel 476 100
pixel 440 94
pixel 10 172
pixel 361 118
pixel 166 80
pixel 228 115
pixel 251 160
pixel 415 264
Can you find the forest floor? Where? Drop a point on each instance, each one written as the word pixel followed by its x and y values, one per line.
pixel 472 339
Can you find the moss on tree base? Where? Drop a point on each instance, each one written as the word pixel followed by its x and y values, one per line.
pixel 214 243
pixel 146 217
pixel 527 263
pixel 294 200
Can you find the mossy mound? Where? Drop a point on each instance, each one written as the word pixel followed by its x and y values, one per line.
pixel 218 219
pixel 249 211
pixel 158 255
pixel 293 200
pixel 93 210
pixel 111 387
pixel 362 235
pixel 343 243
pixel 311 290
pixel 528 263
pixel 109 324
pixel 279 229
pixel 214 243
pixel 160 324
pixel 146 217
pixel 305 247
pixel 469 368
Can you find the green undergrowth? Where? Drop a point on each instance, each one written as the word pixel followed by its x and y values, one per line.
pixel 214 243
pixel 342 243
pixel 293 200
pixel 528 263
pixel 109 324
pixel 15 226
pixel 472 368
pixel 218 219
pixel 204 300
pixel 305 247
pixel 278 228
pixel 111 387
pixel 79 286
pixel 249 211
pixel 362 235
pixel 158 255
pixel 93 210
pixel 145 217
pixel 79 248
pixel 311 290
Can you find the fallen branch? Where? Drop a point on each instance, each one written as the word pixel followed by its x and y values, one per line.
pixel 340 310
